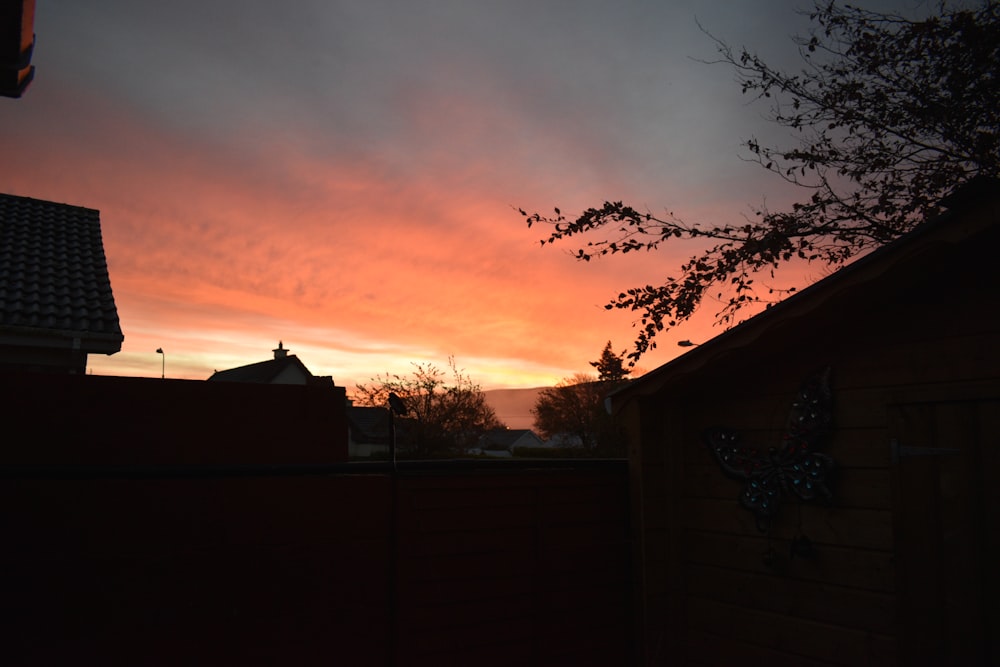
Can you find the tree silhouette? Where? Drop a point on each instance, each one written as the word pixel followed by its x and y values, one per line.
pixel 889 115
pixel 575 407
pixel 442 418
pixel 568 408
pixel 610 367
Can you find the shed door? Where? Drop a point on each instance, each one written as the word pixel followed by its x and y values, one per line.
pixel 945 520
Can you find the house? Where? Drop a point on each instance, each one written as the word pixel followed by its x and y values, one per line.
pixel 369 431
pixel 284 368
pixel 882 384
pixel 520 439
pixel 565 441
pixel 56 303
pixel 502 442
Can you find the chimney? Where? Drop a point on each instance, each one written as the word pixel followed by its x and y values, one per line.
pixel 280 352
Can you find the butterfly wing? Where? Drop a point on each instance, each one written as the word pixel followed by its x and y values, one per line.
pixel 805 476
pixel 811 416
pixel 762 491
pixel 734 459
pixel 794 468
pixel 804 470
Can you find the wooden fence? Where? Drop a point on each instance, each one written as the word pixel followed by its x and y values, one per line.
pixel 503 564
pixel 193 547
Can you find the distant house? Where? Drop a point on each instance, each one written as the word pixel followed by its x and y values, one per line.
pixel 565 441
pixel 56 304
pixel 876 543
pixel 284 368
pixel 502 442
pixel 369 432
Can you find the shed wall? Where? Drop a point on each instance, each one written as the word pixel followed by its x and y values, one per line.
pixel 715 589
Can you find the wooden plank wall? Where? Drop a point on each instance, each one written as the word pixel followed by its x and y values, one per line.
pixel 194 570
pixel 718 591
pixel 714 589
pixel 749 598
pixel 530 567
pixel 92 420
pixel 160 522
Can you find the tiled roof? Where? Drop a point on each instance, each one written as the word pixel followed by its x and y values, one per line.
pixel 54 276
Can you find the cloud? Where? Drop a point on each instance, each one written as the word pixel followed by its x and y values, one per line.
pixel 344 174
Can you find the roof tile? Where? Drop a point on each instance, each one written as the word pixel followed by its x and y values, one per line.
pixel 53 271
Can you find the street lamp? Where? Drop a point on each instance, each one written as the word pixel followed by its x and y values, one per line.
pixel 163 363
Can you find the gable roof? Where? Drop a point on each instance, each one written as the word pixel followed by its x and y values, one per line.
pixel 369 424
pixel 971 222
pixel 502 438
pixel 54 285
pixel 263 371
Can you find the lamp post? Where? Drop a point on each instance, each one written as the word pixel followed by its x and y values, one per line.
pixel 396 407
pixel 163 363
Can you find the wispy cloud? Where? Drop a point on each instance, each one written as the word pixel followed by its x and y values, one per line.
pixel 343 176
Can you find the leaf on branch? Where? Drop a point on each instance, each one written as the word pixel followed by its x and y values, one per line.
pixel 894 114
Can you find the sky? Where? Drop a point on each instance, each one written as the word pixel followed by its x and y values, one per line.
pixel 344 177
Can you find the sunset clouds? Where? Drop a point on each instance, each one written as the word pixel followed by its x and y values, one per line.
pixel 344 176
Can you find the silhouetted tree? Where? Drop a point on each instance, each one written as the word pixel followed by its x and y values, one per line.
pixel 572 407
pixel 575 407
pixel 441 417
pixel 610 367
pixel 889 114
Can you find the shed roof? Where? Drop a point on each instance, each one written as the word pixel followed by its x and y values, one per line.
pixel 54 284
pixel 862 284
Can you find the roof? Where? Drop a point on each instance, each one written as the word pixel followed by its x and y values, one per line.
pixel 54 285
pixel 369 424
pixel 502 438
pixel 262 372
pixel 865 283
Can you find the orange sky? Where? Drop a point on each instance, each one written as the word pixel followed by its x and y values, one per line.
pixel 348 184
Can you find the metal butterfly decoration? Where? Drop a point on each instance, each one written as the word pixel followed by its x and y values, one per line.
pixel 794 468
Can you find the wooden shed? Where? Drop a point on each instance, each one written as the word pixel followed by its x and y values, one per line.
pixel 898 564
